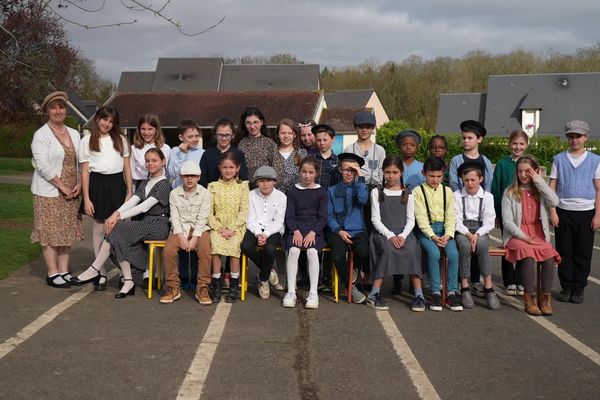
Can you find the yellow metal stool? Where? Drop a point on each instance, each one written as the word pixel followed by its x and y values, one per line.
pixel 154 246
pixel 335 283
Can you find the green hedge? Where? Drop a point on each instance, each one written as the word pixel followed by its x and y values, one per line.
pixel 16 137
pixel 493 147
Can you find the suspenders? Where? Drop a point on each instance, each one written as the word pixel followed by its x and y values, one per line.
pixel 480 216
pixel 427 203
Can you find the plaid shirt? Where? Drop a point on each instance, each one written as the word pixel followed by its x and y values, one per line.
pixel 329 174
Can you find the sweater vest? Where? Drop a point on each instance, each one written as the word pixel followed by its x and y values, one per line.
pixel 576 182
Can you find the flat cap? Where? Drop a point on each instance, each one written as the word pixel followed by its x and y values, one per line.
pixel 408 133
pixel 577 126
pixel 265 172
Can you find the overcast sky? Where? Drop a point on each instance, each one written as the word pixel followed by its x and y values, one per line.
pixel 332 32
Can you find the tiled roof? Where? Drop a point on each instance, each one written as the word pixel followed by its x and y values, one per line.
pixel 207 107
pixel 340 119
pixel 348 98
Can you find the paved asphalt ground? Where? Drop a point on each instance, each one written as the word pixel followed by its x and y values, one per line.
pixel 80 344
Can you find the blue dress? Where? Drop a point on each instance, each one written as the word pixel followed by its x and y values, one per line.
pixel 306 211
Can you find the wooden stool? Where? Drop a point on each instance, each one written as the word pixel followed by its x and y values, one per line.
pixel 154 246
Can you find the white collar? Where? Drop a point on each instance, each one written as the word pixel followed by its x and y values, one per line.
pixel 299 186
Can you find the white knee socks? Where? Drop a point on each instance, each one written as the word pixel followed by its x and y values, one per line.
pixel 292 268
pixel 313 269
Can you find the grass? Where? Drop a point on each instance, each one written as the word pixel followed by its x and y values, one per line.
pixel 11 166
pixel 16 221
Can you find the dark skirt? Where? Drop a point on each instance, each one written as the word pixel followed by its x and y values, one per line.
pixel 387 260
pixel 107 194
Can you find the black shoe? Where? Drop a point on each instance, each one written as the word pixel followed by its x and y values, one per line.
pixel 101 286
pixel 122 295
pixel 144 284
pixel 76 281
pixel 51 282
pixel 234 291
pixel 215 290
pixel 577 296
pixel 564 295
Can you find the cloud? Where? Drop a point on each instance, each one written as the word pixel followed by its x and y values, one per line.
pixel 336 32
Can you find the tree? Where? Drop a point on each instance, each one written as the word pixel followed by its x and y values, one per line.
pixel 89 84
pixel 36 55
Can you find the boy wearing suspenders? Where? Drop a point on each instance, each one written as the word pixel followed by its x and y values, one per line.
pixel 475 218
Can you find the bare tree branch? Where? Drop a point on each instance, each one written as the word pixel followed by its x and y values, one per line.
pixel 158 13
pixel 83 8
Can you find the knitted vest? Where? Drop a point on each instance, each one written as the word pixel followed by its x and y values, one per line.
pixel 576 182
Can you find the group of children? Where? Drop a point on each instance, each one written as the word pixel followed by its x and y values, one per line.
pixel 391 211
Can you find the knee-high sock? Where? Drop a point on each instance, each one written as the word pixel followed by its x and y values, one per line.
pixel 102 256
pixel 126 271
pixel 313 269
pixel 292 268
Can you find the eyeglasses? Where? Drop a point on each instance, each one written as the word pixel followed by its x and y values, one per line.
pixel 348 171
pixel 224 135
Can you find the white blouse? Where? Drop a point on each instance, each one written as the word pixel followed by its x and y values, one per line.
pixel 106 161
pixel 138 162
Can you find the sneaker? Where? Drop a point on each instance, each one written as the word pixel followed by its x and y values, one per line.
pixel 355 275
pixel 453 303
pixel 467 299
pixel 289 301
pixel 418 304
pixel 216 291
pixel 263 289
pixel 357 296
pixel 312 301
pixel 564 296
pixel 377 302
pixel 477 290
pixel 511 290
pixel 274 281
pixel 577 296
pixel 171 296
pixel 234 291
pixel 492 300
pixel 202 296
pixel 436 302
pixel 520 290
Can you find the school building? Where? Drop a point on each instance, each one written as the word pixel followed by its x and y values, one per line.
pixel 206 89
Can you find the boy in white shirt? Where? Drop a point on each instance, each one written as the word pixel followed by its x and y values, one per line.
pixel 190 205
pixel 475 218
pixel 265 225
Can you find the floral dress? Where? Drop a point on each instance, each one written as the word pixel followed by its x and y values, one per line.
pixel 229 210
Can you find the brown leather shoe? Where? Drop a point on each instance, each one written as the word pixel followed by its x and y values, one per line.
pixel 546 304
pixel 531 307
pixel 202 296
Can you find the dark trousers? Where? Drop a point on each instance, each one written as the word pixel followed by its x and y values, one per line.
pixel 575 244
pixel 264 258
pixel 360 246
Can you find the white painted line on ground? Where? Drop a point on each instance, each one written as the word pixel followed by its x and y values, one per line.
pixel 596 281
pixel 555 330
pixel 192 385
pixel 416 373
pixel 11 343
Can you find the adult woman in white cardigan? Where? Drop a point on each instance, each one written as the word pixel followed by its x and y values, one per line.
pixel 56 189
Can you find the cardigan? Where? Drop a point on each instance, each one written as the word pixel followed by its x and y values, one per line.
pixel 512 212
pixel 48 156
